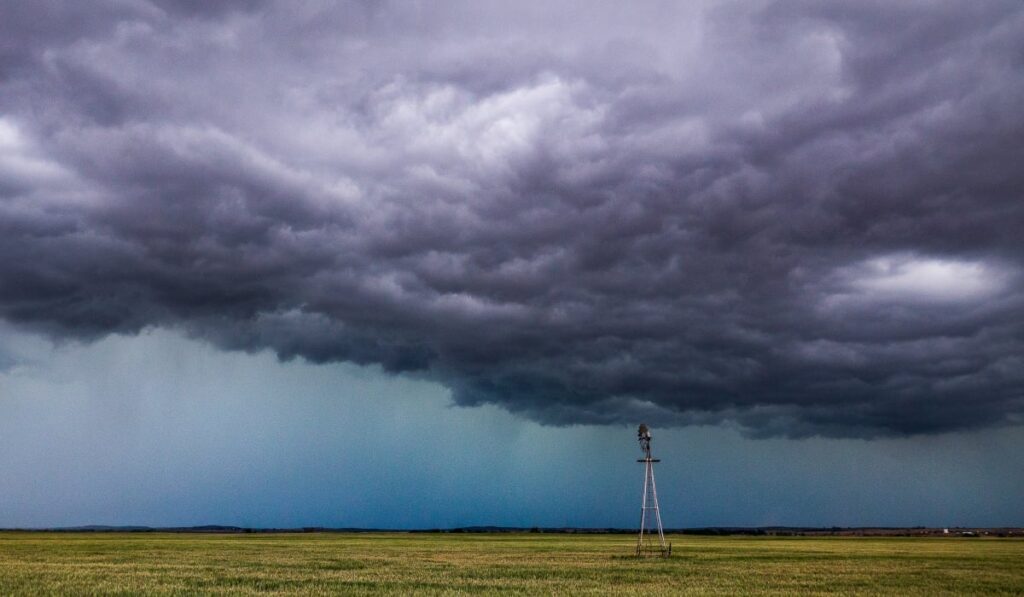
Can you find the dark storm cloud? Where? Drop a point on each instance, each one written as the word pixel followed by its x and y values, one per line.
pixel 800 217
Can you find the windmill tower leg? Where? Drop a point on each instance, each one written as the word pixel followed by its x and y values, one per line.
pixel 643 511
pixel 657 511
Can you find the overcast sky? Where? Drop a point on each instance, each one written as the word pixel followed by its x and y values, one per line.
pixel 262 262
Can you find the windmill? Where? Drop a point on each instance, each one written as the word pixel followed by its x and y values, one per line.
pixel 650 516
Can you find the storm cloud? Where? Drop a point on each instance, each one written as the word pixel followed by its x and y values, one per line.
pixel 798 218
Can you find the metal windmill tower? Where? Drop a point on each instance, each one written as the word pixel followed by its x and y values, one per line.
pixel 651 541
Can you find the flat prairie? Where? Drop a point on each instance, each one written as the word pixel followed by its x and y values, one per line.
pixel 53 563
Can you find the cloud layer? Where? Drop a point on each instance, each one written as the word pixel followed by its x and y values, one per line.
pixel 799 217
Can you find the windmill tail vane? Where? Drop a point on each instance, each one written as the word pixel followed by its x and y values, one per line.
pixel 651 540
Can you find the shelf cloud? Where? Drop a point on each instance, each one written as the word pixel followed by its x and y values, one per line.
pixel 799 218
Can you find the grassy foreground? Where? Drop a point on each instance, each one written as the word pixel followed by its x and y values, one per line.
pixel 110 564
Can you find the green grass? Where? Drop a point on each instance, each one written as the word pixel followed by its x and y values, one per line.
pixel 184 564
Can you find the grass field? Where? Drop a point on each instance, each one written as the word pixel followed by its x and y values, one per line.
pixel 162 564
